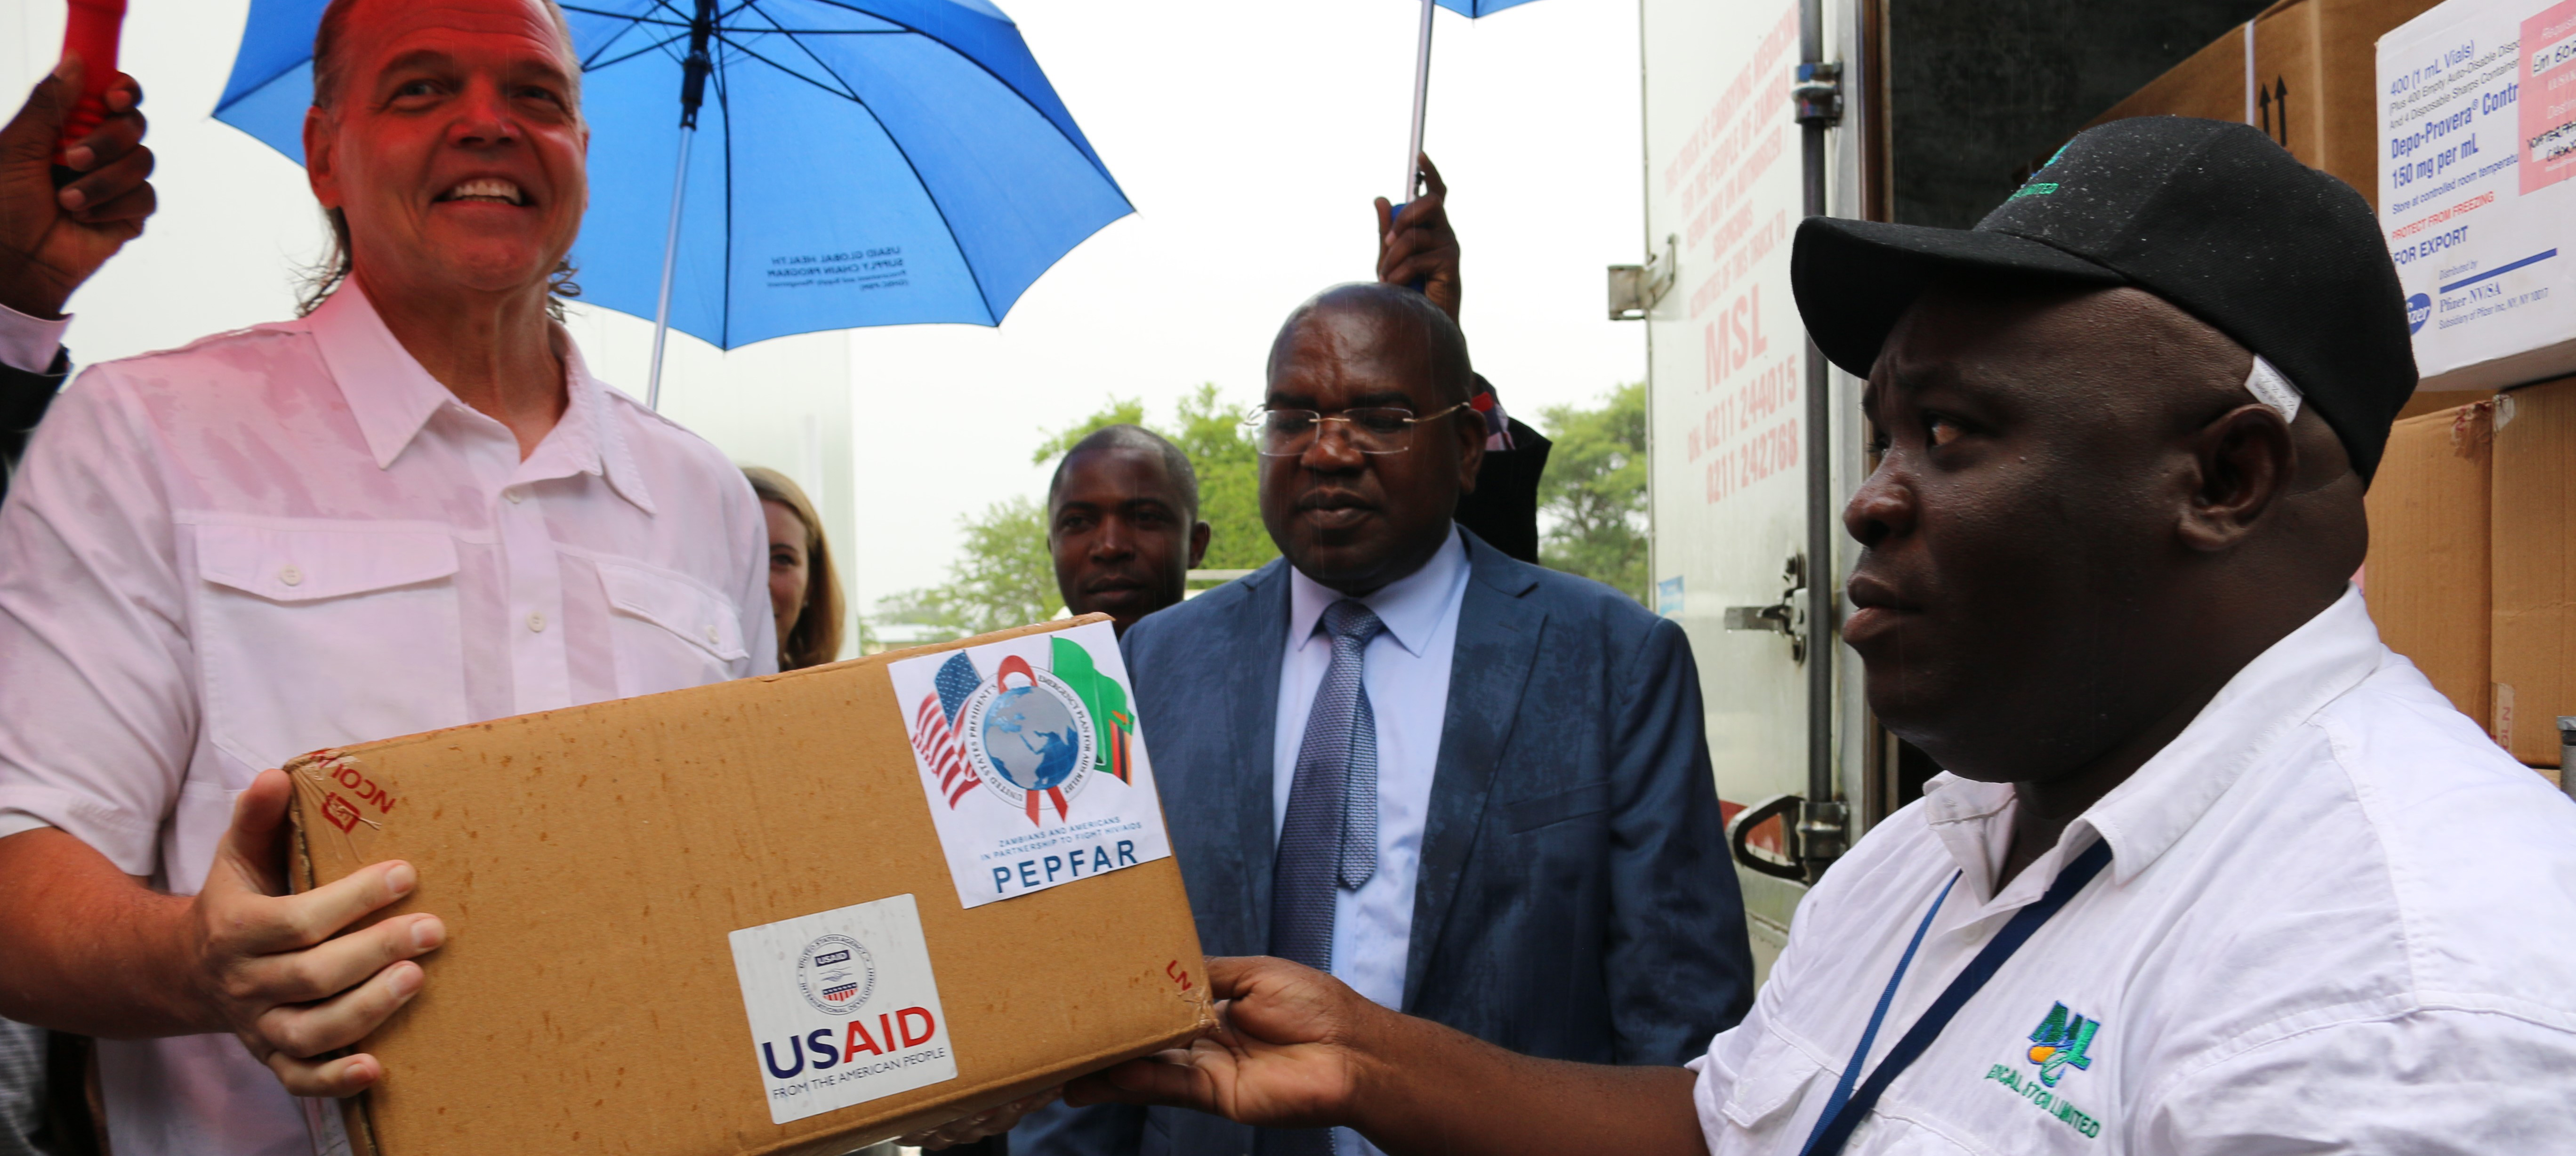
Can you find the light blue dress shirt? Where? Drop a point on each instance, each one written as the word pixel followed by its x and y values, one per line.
pixel 1407 677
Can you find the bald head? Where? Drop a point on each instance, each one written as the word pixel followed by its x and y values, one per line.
pixel 1409 332
pixel 2081 524
pixel 1182 481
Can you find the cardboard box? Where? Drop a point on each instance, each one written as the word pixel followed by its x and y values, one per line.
pixel 2535 568
pixel 727 919
pixel 2427 577
pixel 2478 103
pixel 2308 83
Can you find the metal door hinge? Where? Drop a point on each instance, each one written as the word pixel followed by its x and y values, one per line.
pixel 1818 94
pixel 1788 615
pixel 1634 289
pixel 1824 831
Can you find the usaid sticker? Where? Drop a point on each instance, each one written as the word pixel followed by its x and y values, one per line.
pixel 843 1007
pixel 1031 759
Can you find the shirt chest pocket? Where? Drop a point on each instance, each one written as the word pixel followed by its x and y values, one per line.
pixel 670 632
pixel 324 635
pixel 1768 1085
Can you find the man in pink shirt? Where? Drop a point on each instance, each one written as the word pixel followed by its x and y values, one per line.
pixel 411 508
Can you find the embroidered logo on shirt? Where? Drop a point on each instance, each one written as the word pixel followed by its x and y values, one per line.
pixel 2059 1043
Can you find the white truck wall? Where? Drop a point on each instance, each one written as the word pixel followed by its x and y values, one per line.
pixel 1726 385
pixel 1726 363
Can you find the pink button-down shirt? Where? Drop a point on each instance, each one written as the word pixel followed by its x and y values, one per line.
pixel 292 537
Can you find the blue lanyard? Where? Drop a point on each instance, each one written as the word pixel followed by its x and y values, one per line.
pixel 1847 1107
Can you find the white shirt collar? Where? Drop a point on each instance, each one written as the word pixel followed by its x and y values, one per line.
pixel 2273 695
pixel 393 397
pixel 1411 606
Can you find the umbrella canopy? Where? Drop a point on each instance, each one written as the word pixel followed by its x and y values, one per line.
pixel 901 161
pixel 1475 8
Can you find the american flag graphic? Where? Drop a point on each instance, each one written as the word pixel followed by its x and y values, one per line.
pixel 934 730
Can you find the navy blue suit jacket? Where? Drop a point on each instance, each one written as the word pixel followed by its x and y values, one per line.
pixel 1574 899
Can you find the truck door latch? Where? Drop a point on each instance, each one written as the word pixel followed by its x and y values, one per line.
pixel 1818 94
pixel 1788 616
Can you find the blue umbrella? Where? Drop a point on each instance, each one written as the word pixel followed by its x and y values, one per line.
pixel 915 165
pixel 1470 9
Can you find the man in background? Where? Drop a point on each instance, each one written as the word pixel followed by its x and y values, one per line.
pixel 1470 788
pixel 1123 524
pixel 412 508
pixel 1416 247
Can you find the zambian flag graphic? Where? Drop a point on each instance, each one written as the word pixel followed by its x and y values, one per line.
pixel 1106 700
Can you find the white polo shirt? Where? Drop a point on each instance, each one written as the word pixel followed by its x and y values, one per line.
pixel 292 537
pixel 2337 919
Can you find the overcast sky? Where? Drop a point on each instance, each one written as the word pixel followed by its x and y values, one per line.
pixel 1250 138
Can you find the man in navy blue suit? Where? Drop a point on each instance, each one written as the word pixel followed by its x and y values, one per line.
pixel 1471 788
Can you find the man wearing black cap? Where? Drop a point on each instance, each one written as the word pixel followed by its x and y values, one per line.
pixel 2213 870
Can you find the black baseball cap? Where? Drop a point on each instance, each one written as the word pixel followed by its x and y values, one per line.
pixel 2209 215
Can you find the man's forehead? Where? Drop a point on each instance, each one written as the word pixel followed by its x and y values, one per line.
pixel 1953 335
pixel 1354 347
pixel 2087 354
pixel 381 31
pixel 1124 471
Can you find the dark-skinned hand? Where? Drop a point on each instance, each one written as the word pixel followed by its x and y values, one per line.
pixel 52 239
pixel 1280 1056
pixel 1417 245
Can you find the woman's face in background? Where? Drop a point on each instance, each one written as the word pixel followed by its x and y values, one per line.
pixel 788 571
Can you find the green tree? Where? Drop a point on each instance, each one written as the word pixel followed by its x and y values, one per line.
pixel 1003 576
pixel 1119 411
pixel 1592 500
pixel 1229 471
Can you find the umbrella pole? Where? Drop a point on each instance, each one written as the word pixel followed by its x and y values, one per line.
pixel 1421 98
pixel 693 91
pixel 670 260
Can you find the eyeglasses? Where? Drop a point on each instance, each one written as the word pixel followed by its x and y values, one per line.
pixel 1372 429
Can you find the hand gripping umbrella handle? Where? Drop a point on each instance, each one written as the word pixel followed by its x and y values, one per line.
pixel 90 29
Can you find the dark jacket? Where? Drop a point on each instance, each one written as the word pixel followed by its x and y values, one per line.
pixel 24 397
pixel 1574 898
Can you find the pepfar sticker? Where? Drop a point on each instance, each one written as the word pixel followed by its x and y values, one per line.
pixel 1032 761
pixel 843 1007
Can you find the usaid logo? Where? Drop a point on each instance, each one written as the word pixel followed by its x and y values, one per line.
pixel 837 974
pixel 2419 309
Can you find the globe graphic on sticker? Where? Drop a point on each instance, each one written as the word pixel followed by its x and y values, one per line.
pixel 1030 738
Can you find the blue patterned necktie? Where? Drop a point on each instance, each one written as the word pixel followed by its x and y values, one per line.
pixel 1329 839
